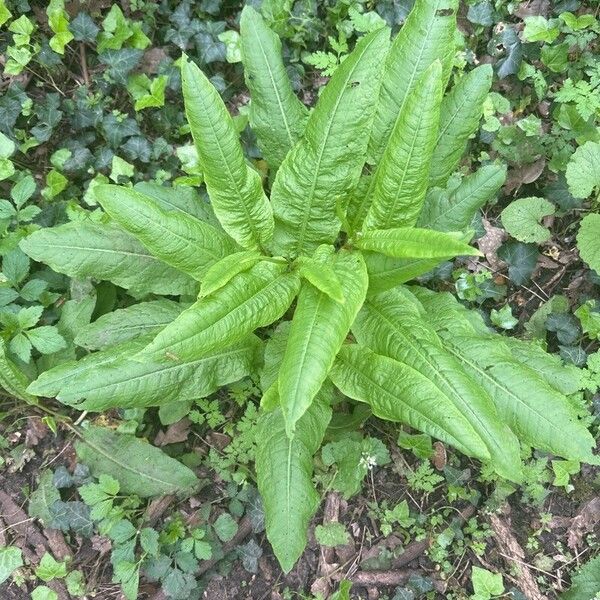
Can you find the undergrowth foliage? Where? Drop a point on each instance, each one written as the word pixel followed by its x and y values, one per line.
pixel 355 206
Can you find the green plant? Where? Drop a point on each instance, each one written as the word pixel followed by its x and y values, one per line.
pixel 358 206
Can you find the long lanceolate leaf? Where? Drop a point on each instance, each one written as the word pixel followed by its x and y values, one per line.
pixel 389 325
pixel 400 182
pixel 386 272
pixel 235 189
pixel 318 329
pixel 411 242
pixel 539 414
pixel 111 378
pixel 426 36
pixel 533 408
pixel 326 163
pixel 124 324
pixel 454 210
pixel 277 116
pixel 284 468
pixel 460 115
pixel 250 300
pixel 178 239
pixel 105 251
pixel 397 392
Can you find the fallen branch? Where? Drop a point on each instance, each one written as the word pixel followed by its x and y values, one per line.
pixel 510 547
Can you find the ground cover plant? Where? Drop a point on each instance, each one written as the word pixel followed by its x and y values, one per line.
pixel 308 288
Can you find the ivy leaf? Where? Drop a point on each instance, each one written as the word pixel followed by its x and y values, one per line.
pixel 583 170
pixel 59 24
pixel 120 62
pixel 43 497
pixel 589 316
pixel 510 63
pixel 481 13
pixel 540 29
pixel 521 219
pixel 10 560
pixel 588 241
pixel 331 535
pixel 83 28
pixel 50 569
pixel 73 516
pixel 556 56
pixel 503 318
pixel 521 258
pixel 43 592
pixel 486 584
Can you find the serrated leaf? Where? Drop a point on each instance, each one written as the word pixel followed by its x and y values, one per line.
pixel 521 219
pixel 326 163
pixel 400 182
pixel 250 300
pixel 235 189
pixel 221 273
pixel 128 323
pixel 284 469
pixel 104 251
pixel 396 392
pixel 585 583
pixel 177 239
pixel 46 339
pixel 139 467
pixel 12 379
pixel 427 35
pixel 319 327
pixel 390 324
pixel 410 242
pixel 588 241
pixel 453 210
pixel 277 116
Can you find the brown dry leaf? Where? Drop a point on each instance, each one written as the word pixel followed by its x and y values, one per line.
pixel 36 431
pixel 152 59
pixel 490 242
pixel 524 175
pixel 585 521
pixel 533 8
pixel 440 456
pixel 178 432
pixel 218 440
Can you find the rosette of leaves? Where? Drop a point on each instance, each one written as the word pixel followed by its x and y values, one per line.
pixel 356 206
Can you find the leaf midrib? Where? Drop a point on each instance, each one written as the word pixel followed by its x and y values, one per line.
pixel 299 245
